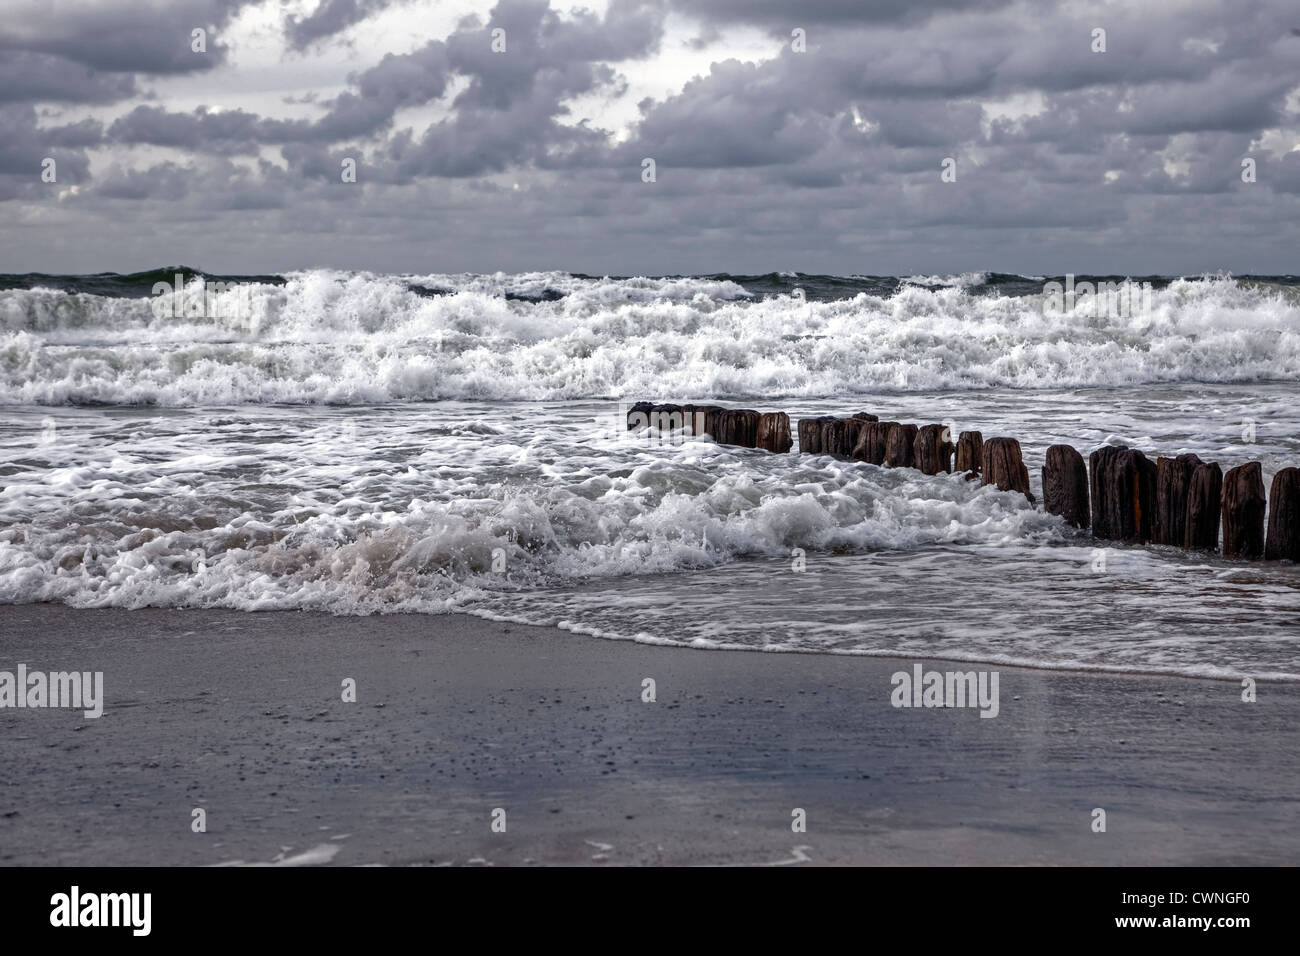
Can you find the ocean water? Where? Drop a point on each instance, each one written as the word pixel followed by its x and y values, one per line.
pixel 362 443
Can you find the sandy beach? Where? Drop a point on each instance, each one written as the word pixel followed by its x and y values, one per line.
pixel 241 715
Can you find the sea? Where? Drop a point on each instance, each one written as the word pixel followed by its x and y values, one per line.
pixel 358 443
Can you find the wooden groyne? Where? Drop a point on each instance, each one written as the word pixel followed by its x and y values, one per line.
pixel 1119 494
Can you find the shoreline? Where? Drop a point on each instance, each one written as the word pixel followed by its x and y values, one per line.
pixel 1077 669
pixel 240 714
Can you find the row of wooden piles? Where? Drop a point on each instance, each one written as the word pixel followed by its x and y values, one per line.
pixel 1120 494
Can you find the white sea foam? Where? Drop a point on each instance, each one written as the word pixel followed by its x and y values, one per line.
pixel 359 338
pixel 427 542
pixel 549 514
pixel 964 280
pixel 537 513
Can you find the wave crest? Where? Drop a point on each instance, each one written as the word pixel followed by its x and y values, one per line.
pixel 332 337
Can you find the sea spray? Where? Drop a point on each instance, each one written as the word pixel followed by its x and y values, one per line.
pixel 359 338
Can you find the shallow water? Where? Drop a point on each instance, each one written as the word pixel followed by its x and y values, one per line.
pixel 406 507
pixel 357 443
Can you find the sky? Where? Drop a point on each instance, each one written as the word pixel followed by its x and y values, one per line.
pixel 823 136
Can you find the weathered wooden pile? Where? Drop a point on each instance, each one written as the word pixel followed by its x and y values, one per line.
pixel 1120 494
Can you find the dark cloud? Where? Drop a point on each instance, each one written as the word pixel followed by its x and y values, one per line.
pixel 219 131
pixel 30 77
pixel 511 110
pixel 783 15
pixel 729 118
pixel 88 132
pixel 411 79
pixel 328 19
pixel 1283 175
pixel 120 36
pixel 165 181
pixel 825 160
pixel 212 186
pixel 24 146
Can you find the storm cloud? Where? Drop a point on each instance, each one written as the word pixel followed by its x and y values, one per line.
pixel 516 136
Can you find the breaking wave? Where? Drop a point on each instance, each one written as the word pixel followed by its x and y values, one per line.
pixel 361 338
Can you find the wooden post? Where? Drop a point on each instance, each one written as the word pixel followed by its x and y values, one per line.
pixel 840 435
pixel 857 424
pixel 1145 496
pixel 1243 511
pixel 1109 493
pixel 1180 501
pixel 1065 485
pixel 900 446
pixel 638 416
pixel 810 434
pixel 1123 484
pixel 1204 495
pixel 738 426
pixel 1004 467
pixel 666 418
pixel 1173 481
pixel 1284 517
pixel 835 437
pixel 932 451
pixel 702 419
pixel 774 432
pixel 872 442
pixel 970 453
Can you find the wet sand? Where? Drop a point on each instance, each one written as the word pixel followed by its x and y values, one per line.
pixel 241 715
